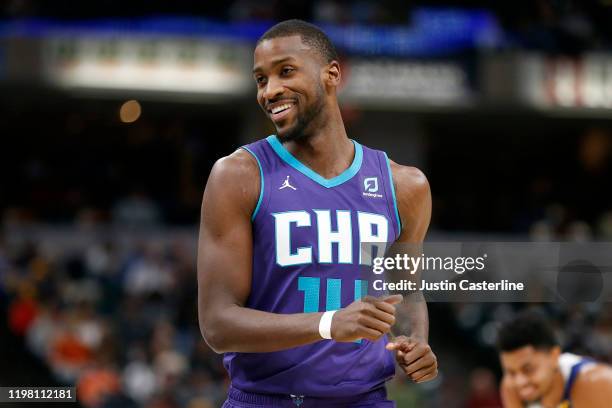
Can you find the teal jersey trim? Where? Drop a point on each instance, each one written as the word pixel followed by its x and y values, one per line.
pixel 261 176
pixel 290 159
pixel 397 217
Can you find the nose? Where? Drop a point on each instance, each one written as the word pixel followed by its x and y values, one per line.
pixel 521 380
pixel 272 90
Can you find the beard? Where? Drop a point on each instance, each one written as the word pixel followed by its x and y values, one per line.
pixel 299 131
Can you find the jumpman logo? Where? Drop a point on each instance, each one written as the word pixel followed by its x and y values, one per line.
pixel 286 184
pixel 297 399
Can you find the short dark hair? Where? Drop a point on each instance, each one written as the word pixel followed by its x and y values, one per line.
pixel 529 328
pixel 310 34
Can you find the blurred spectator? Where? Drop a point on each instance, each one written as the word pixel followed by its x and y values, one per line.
pixel 483 391
pixel 68 355
pixel 579 231
pixel 402 394
pixel 136 210
pixel 149 273
pixel 99 260
pixel 139 378
pixel 97 384
pixel 605 226
pixel 43 329
pixel 22 311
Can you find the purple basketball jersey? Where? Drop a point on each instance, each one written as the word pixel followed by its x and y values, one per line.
pixel 306 256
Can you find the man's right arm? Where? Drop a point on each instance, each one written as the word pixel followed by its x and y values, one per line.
pixel 225 253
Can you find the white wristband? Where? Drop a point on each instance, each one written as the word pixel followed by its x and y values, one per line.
pixel 325 324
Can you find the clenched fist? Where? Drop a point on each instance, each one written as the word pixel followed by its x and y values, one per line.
pixel 415 357
pixel 367 318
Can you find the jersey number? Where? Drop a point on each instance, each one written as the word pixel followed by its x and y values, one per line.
pixel 312 288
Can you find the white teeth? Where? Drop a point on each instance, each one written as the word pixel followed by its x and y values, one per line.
pixel 281 108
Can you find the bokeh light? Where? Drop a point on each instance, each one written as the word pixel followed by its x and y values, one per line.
pixel 130 111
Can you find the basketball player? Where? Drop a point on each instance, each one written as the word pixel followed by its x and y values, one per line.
pixel 279 248
pixel 537 374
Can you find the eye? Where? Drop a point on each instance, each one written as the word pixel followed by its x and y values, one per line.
pixel 260 79
pixel 287 70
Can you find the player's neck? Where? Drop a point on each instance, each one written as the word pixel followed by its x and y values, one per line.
pixel 553 397
pixel 327 151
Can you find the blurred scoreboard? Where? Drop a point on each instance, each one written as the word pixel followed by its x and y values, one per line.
pixel 149 64
pixel 163 67
pixel 573 84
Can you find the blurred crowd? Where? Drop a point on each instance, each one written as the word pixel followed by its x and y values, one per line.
pixel 119 324
pixel 118 319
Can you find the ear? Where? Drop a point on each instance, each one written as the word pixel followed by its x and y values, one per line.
pixel 555 352
pixel 332 75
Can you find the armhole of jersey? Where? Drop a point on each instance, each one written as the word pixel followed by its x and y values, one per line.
pixel 573 375
pixel 261 183
pixel 392 187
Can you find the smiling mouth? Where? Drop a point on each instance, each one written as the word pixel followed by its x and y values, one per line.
pixel 280 111
pixel 528 392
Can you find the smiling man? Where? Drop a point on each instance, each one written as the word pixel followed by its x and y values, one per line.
pixel 538 375
pixel 280 291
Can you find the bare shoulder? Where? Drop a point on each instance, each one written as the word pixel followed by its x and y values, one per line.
pixel 413 201
pixel 409 180
pixel 594 386
pixel 233 183
pixel 596 374
pixel 236 166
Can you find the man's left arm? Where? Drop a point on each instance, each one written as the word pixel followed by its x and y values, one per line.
pixel 413 352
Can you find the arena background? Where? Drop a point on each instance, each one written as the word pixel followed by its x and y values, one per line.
pixel 112 114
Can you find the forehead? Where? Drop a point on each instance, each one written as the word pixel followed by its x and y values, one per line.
pixel 518 358
pixel 274 50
